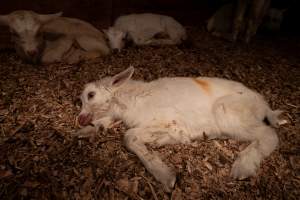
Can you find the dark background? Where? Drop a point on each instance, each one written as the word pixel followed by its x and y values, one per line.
pixel 102 13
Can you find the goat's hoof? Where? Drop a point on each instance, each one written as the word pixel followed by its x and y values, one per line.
pixel 169 182
pixel 164 175
pixel 243 168
pixel 85 132
pixel 79 134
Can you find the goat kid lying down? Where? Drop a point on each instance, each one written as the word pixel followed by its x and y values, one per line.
pixel 51 38
pixel 179 110
pixel 145 29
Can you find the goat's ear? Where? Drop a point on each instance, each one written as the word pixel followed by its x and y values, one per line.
pixel 105 31
pixel 48 17
pixel 122 77
pixel 4 19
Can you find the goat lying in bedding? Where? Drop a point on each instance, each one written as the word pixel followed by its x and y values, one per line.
pixel 179 110
pixel 145 29
pixel 51 38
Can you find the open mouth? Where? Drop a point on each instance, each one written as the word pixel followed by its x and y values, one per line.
pixel 85 119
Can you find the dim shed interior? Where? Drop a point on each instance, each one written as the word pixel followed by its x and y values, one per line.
pixel 140 99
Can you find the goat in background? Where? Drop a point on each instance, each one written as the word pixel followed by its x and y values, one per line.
pixel 52 38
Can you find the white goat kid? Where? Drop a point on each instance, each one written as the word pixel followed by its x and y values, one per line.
pixel 179 110
pixel 145 29
pixel 51 38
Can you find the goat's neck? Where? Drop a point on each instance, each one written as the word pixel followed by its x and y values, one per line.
pixel 127 97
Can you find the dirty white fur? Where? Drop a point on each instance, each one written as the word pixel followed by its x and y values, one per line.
pixel 52 38
pixel 179 110
pixel 142 29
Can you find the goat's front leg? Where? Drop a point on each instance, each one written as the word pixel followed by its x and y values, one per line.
pixel 135 140
pixel 158 42
pixel 239 17
pixel 257 12
pixel 86 131
pixel 104 122
pixel 90 130
pixel 263 144
pixel 239 118
pixel 55 50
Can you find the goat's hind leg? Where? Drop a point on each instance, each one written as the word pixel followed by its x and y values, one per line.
pixel 237 117
pixel 264 142
pixel 158 42
pixel 135 140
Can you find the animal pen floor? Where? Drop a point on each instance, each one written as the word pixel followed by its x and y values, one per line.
pixel 40 159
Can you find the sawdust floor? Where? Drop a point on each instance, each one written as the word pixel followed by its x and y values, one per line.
pixel 39 159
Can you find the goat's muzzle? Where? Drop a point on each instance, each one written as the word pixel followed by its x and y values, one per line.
pixel 116 50
pixel 32 57
pixel 85 119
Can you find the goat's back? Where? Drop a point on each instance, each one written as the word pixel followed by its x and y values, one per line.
pixel 133 22
pixel 188 101
pixel 188 93
pixel 71 26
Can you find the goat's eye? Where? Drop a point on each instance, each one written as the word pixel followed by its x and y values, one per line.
pixel 91 95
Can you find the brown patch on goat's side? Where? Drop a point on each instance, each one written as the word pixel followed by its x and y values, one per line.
pixel 203 84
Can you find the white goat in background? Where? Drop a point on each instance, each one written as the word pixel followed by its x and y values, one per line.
pixel 179 110
pixel 145 29
pixel 52 38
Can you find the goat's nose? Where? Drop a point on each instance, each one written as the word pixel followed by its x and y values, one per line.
pixel 116 50
pixel 85 119
pixel 32 53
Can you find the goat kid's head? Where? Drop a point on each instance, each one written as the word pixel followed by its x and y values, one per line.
pixel 116 38
pixel 98 97
pixel 25 27
pixel 274 19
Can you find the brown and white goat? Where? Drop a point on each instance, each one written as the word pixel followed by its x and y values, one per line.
pixel 51 38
